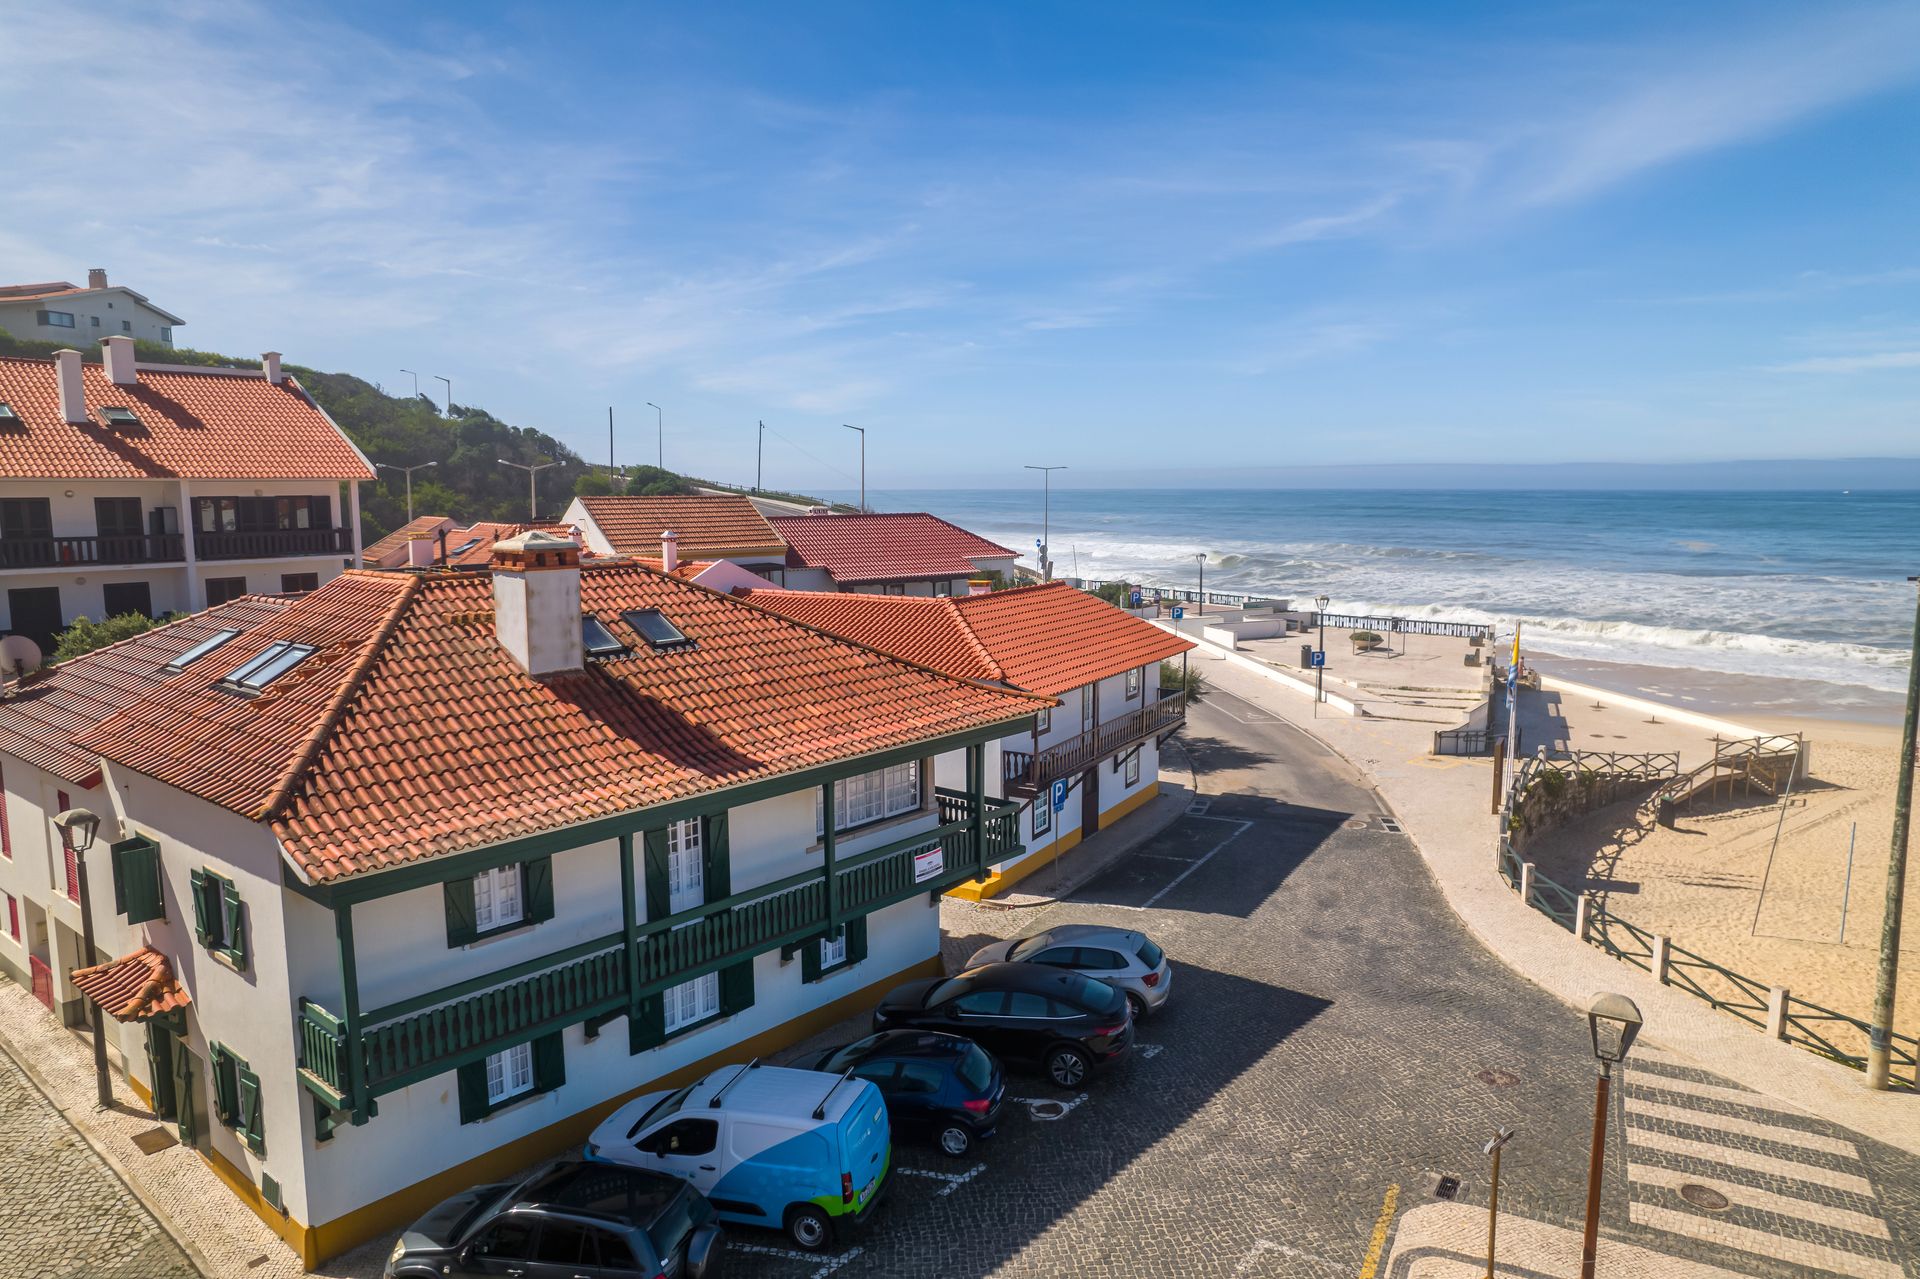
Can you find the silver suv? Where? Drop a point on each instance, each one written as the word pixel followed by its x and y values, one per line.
pixel 1128 962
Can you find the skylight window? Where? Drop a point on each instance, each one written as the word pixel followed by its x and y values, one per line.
pixel 597 639
pixel 268 665
pixel 119 415
pixel 653 627
pixel 199 651
pixel 464 547
pixel 7 414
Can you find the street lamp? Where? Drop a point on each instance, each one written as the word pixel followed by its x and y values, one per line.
pixel 449 382
pixel 1200 597
pixel 408 471
pixel 1613 1021
pixel 1320 671
pixel 416 381
pixel 77 827
pixel 660 439
pixel 533 470
pixel 863 465
pixel 1046 519
pixel 1494 1147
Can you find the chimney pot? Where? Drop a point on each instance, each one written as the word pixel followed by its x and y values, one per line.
pixel 270 365
pixel 97 278
pixel 536 602
pixel 669 550
pixel 73 396
pixel 118 357
pixel 420 550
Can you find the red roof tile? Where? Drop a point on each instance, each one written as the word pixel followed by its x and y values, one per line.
pixel 391 550
pixel 195 424
pixel 714 525
pixel 1045 639
pixel 39 722
pixel 133 987
pixel 875 548
pixel 413 733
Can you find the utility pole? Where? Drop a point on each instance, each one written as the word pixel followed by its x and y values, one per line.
pixel 1880 1033
pixel 609 446
pixel 533 470
pixel 759 457
pixel 449 382
pixel 1200 596
pixel 409 470
pixel 1046 518
pixel 660 437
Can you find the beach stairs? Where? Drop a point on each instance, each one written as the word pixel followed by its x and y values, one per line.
pixel 1768 764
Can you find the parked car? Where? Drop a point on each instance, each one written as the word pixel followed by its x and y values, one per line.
pixel 935 1085
pixel 569 1218
pixel 793 1150
pixel 1020 1012
pixel 1129 962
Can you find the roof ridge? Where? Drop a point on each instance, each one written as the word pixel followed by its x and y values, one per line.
pixel 979 646
pixel 349 688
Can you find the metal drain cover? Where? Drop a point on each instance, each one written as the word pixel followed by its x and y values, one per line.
pixel 1446 1187
pixel 1356 825
pixel 1497 1078
pixel 1705 1197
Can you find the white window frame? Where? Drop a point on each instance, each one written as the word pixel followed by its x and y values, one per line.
pixel 833 954
pixel 51 323
pixel 1087 708
pixel 1134 682
pixel 686 866
pixel 1043 722
pixel 499 899
pixel 691 1002
pixel 1043 814
pixel 1133 767
pixel 883 794
pixel 509 1074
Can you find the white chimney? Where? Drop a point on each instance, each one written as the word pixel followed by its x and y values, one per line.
pixel 97 278
pixel 73 396
pixel 270 365
pixel 669 551
pixel 536 602
pixel 118 357
pixel 420 550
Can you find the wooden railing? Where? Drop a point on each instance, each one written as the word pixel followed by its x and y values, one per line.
pixel 58 552
pixel 1029 771
pixel 269 543
pixel 415 1039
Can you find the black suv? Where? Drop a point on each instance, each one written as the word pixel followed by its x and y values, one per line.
pixel 935 1085
pixel 570 1220
pixel 1064 1021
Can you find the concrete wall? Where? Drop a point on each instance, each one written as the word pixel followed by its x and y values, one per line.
pixel 95 315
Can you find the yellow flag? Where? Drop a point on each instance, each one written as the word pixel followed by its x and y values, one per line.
pixel 1516 643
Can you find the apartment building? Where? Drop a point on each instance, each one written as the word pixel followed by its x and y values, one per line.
pixel 145 488
pixel 59 311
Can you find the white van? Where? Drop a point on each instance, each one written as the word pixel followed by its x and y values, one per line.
pixel 793 1150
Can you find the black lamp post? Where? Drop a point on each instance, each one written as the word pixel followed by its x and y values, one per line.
pixel 1613 1021
pixel 77 827
pixel 1320 671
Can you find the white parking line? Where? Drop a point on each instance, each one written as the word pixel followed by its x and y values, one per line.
pixel 833 1263
pixel 1048 1109
pixel 1149 1051
pixel 1262 1246
pixel 1239 829
pixel 954 1180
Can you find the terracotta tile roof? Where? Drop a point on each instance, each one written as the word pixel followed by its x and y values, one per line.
pixel 193 424
pixel 38 724
pixel 1045 639
pixel 685 570
pixel 50 289
pixel 472 547
pixel 876 548
pixel 713 525
pixel 391 550
pixel 413 733
pixel 133 987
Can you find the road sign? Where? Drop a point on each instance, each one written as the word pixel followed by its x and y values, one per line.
pixel 1136 599
pixel 1060 794
pixel 1320 657
pixel 1179 614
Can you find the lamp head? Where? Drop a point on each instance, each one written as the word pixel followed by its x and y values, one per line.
pixel 77 827
pixel 1322 601
pixel 1614 1021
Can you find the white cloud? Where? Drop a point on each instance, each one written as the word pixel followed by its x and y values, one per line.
pixel 1851 363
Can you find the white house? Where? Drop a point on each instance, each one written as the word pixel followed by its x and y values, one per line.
pixel 1099 749
pixel 708 526
pixel 145 488
pixel 414 880
pixel 902 553
pixel 61 312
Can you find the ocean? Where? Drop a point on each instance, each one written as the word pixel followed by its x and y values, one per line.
pixel 1799 587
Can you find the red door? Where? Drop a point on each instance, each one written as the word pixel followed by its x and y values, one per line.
pixel 42 980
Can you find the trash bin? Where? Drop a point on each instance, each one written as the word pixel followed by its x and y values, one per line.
pixel 1306 656
pixel 1665 810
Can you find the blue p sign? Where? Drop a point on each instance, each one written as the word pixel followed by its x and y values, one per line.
pixel 1060 794
pixel 1320 657
pixel 1179 614
pixel 1136 599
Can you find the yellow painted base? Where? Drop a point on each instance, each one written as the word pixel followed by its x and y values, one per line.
pixel 316 1243
pixel 140 1090
pixel 1001 880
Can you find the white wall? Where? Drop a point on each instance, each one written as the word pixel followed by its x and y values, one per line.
pixel 109 306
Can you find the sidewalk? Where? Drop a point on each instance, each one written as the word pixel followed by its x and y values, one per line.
pixel 1449 1241
pixel 1445 805
pixel 1105 847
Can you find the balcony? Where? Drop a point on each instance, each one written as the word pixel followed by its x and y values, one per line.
pixel 64 552
pixel 266 544
pixel 418 1038
pixel 1026 773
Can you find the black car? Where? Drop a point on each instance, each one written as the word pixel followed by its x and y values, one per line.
pixel 1019 1012
pixel 935 1085
pixel 567 1221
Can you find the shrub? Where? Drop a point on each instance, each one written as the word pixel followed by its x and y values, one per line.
pixel 85 635
pixel 1363 640
pixel 1195 685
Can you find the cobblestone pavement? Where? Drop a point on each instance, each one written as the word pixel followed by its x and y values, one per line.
pixel 63 1213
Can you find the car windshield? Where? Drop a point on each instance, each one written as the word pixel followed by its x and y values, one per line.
pixel 1031 946
pixel 667 1106
pixel 1150 954
pixel 1092 995
pixel 976 1069
pixel 483 1212
pixel 849 1056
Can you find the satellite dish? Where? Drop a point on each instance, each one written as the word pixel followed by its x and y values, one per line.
pixel 18 655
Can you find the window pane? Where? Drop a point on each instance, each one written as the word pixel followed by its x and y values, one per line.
pixel 833 953
pixel 560 1242
pixel 686 866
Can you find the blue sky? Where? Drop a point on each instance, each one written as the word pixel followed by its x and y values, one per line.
pixel 1127 238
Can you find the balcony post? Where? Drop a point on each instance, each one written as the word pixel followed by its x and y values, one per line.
pixel 350 989
pixel 977 788
pixel 827 847
pixel 353 516
pixel 629 925
pixel 187 549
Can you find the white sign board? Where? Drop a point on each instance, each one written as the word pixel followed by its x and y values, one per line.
pixel 928 865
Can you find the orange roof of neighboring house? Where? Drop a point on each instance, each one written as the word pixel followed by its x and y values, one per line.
pixel 133 987
pixel 50 289
pixel 876 548
pixel 713 525
pixel 391 550
pixel 470 547
pixel 39 722
pixel 411 733
pixel 1045 639
pixel 686 570
pixel 194 424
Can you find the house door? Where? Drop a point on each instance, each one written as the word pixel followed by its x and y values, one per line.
pixel 42 980
pixel 1090 801
pixel 185 1113
pixel 36 614
pixel 160 1070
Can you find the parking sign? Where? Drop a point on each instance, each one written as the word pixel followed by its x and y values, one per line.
pixel 1060 794
pixel 1320 657
pixel 1136 599
pixel 1179 614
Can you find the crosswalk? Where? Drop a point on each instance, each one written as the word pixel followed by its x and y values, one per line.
pixel 1728 1167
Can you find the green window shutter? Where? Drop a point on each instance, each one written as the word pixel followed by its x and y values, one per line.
pixel 536 887
pixel 647 1027
pixel 549 1063
pixel 233 915
pixel 719 858
pixel 654 864
pixel 473 1091
pixel 202 917
pixel 856 940
pixel 226 1100
pixel 136 880
pixel 810 959
pixel 251 1125
pixel 119 878
pixel 458 894
pixel 736 987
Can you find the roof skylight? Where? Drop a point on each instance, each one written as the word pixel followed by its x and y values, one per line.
pixel 597 639
pixel 200 650
pixel 653 627
pixel 268 665
pixel 119 415
pixel 7 414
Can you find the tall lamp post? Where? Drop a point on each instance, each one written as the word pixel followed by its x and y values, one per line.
pixel 1880 1030
pixel 863 465
pixel 77 827
pixel 533 470
pixel 408 472
pixel 1320 671
pixel 449 382
pixel 1046 518
pixel 660 436
pixel 1613 1021
pixel 1494 1147
pixel 416 381
pixel 1200 596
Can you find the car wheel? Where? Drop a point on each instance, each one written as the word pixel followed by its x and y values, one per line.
pixel 808 1227
pixel 1067 1066
pixel 956 1140
pixel 1136 1005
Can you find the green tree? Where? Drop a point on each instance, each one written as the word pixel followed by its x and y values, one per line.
pixel 1172 676
pixel 1118 594
pixel 653 481
pixel 592 484
pixel 85 634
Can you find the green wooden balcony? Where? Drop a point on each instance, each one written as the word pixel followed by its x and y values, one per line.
pixel 415 1039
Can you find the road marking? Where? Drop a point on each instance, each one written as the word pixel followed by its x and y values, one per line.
pixel 954 1180
pixel 1163 857
pixel 1713 1092
pixel 1240 828
pixel 1262 714
pixel 1752 1161
pixel 1371 1262
pixel 1048 1109
pixel 1149 1051
pixel 1761 1243
pixel 790 1254
pixel 1741 1127
pixel 1267 1245
pixel 1744 1196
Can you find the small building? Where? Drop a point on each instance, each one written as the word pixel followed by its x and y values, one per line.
pixel 58 311
pixel 161 488
pixel 710 526
pixel 1077 767
pixel 909 553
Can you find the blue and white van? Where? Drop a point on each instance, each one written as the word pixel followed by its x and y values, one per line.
pixel 793 1150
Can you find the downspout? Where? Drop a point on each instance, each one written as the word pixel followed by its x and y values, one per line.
pixel 629 923
pixel 827 846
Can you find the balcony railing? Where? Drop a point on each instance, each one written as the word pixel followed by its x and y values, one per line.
pixel 415 1039
pixel 1027 772
pixel 267 543
pixel 59 552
